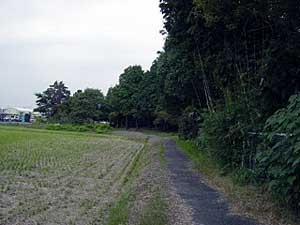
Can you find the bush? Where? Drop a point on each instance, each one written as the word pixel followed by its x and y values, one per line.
pixel 90 127
pixel 244 176
pixel 279 161
pixel 225 136
pixel 189 123
pixel 102 127
pixel 165 121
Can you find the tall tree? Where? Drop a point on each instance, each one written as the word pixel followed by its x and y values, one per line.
pixel 130 82
pixel 84 107
pixel 49 100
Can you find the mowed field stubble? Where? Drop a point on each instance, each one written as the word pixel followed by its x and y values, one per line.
pixel 53 177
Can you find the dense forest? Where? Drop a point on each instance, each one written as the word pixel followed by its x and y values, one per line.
pixel 228 76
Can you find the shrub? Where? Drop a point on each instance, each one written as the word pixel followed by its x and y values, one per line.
pixel 279 161
pixel 189 123
pixel 90 127
pixel 102 128
pixel 244 176
pixel 225 136
pixel 165 121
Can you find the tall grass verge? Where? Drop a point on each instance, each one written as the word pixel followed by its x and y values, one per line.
pixel 245 198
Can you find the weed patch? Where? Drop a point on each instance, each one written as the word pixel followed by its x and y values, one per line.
pixel 161 154
pixel 119 213
pixel 154 212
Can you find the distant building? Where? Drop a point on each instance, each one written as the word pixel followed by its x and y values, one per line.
pixel 1 114
pixel 16 115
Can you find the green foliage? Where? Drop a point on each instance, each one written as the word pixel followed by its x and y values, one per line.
pixel 133 100
pixel 118 215
pixel 225 133
pixel 164 121
pixel 200 158
pixel 49 101
pixel 83 107
pixel 190 147
pixel 155 212
pixel 161 154
pixel 248 49
pixel 279 161
pixel 189 123
pixel 90 127
pixel 244 176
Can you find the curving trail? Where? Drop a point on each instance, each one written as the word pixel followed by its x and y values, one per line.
pixel 207 205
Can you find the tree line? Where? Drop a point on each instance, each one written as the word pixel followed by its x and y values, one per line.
pixel 229 73
pixel 57 105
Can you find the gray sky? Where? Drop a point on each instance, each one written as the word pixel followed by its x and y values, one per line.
pixel 85 43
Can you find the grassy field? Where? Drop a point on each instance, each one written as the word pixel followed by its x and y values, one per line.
pixel 54 177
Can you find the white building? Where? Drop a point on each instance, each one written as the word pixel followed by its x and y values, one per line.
pixel 16 115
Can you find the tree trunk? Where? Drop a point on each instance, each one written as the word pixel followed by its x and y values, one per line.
pixel 205 84
pixel 126 122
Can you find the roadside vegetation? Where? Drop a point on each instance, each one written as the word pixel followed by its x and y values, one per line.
pixel 100 128
pixel 89 127
pixel 245 196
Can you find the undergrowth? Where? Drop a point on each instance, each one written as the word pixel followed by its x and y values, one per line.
pixel 244 196
pixel 90 127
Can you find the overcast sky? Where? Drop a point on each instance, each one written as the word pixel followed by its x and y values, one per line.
pixel 85 43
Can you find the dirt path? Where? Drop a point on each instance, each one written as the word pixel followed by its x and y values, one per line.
pixel 191 201
pixel 207 205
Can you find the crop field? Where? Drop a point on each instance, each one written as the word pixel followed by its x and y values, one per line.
pixel 53 177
